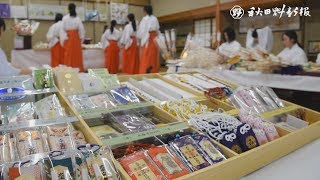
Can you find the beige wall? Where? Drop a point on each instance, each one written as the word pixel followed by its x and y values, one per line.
pixel 94 30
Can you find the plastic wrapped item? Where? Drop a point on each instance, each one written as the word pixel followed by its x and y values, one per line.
pixel 99 162
pixel 78 138
pixel 25 170
pixel 49 108
pixel 59 138
pixel 108 80
pixel 124 95
pixel 91 83
pixel 266 97
pixel 103 101
pixel 132 122
pixel 273 95
pixel 25 27
pixel 20 112
pixel 209 148
pixel 29 142
pixel 105 132
pixel 139 166
pixel 81 101
pixel 261 136
pixel 5 151
pixel 67 80
pixel 64 166
pixel 190 152
pixel 169 164
pixel 43 78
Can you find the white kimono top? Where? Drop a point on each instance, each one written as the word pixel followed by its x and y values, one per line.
pixel 107 35
pixel 71 23
pixel 53 34
pixel 126 35
pixel 229 49
pixel 265 39
pixel 147 24
pixel 294 55
pixel 6 69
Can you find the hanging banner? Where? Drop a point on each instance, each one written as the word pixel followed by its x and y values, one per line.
pixel 45 12
pixel 18 11
pixel 119 12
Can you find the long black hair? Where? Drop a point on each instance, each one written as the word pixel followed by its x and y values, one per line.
pixel 292 36
pixel 254 33
pixel 113 24
pixel 230 33
pixel 133 21
pixel 58 17
pixel 148 9
pixel 2 24
pixel 72 10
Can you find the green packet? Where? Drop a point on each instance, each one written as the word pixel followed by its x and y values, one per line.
pixel 43 78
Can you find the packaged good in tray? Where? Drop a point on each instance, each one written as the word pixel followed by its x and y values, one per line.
pixel 139 166
pixel 5 151
pixel 59 138
pixel 25 170
pixel 124 95
pixel 168 163
pixel 99 162
pixel 43 78
pixel 104 132
pixel 64 166
pixel 29 142
pixel 132 122
pixel 68 81
pixel 20 112
pixel 50 108
pixel 81 101
pixel 91 83
pixel 188 149
pixel 78 138
pixel 110 81
pixel 209 148
pixel 102 101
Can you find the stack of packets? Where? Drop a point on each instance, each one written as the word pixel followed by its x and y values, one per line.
pixel 157 90
pixel 46 108
pixel 69 80
pixel 109 99
pixel 239 136
pixel 179 157
pixel 21 144
pixel 256 99
pixel 89 162
pixel 183 109
pixel 197 81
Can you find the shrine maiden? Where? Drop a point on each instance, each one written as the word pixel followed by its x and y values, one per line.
pixel 147 32
pixel 54 41
pixel 130 56
pixel 7 69
pixel 109 41
pixel 260 39
pixel 230 47
pixel 71 37
pixel 292 54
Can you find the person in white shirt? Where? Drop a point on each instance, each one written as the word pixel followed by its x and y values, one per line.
pixel 147 32
pixel 54 41
pixel 71 37
pixel 109 42
pixel 260 39
pixel 6 68
pixel 292 54
pixel 230 47
pixel 130 56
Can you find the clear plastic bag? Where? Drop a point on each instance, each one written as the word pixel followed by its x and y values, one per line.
pixel 5 150
pixel 81 101
pixel 20 112
pixel 131 121
pixel 29 142
pixel 49 108
pixel 103 101
pixel 59 138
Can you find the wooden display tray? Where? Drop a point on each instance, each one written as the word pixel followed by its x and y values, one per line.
pixel 237 165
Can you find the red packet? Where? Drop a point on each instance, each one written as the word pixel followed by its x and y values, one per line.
pixel 138 166
pixel 168 163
